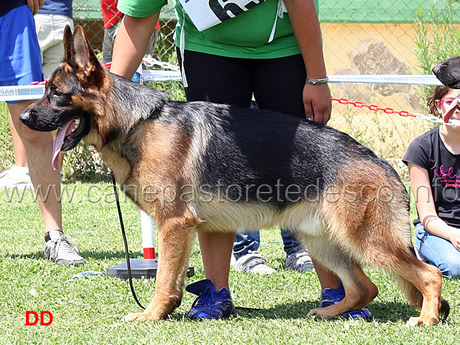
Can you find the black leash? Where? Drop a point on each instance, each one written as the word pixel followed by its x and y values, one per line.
pixel 125 242
pixel 128 264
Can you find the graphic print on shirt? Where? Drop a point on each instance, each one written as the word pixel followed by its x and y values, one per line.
pixel 449 181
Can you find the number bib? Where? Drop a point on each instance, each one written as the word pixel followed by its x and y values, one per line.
pixel 207 13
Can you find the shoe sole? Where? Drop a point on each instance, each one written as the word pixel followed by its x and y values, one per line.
pixel 70 263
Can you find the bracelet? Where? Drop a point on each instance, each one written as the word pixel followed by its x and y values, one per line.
pixel 320 81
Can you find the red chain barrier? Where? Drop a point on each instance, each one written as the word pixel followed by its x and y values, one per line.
pixel 373 107
pixel 38 82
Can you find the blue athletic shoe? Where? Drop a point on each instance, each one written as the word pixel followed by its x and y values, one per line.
pixel 334 296
pixel 210 304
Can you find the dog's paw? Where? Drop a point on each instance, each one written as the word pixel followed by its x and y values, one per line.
pixel 319 314
pixel 419 321
pixel 141 316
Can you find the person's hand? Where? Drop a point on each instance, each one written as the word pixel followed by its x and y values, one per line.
pixel 34 5
pixel 451 110
pixel 455 239
pixel 317 102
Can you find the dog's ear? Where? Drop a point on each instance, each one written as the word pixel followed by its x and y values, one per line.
pixel 68 43
pixel 82 54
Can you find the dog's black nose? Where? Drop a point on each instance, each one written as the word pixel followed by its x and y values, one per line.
pixel 24 117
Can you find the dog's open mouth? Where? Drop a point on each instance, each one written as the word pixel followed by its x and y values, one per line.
pixel 67 137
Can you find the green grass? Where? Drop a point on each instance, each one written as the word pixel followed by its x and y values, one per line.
pixel 89 310
pixel 6 143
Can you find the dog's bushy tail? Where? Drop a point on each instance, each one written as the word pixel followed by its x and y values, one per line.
pixel 413 295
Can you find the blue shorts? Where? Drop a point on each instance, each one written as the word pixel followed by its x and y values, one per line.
pixel 19 50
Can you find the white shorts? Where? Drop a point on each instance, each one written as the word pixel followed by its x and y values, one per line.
pixel 50 33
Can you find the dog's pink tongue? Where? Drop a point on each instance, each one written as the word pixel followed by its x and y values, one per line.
pixel 451 110
pixel 58 141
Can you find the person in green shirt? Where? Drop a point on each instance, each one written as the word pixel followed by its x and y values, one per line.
pixel 272 52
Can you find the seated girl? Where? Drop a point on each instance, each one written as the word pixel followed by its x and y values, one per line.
pixel 434 170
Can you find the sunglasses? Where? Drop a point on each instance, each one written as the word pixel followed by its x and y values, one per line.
pixel 447 102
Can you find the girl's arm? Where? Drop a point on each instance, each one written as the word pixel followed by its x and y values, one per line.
pixel 131 43
pixel 305 23
pixel 421 189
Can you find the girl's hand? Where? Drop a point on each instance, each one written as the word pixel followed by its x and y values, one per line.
pixel 455 238
pixel 34 5
pixel 450 111
pixel 317 102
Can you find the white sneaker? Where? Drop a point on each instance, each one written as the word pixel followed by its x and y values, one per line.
pixel 300 261
pixel 253 263
pixel 15 177
pixel 61 249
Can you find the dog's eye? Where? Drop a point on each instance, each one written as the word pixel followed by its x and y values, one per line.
pixel 55 91
pixel 61 98
pixel 58 93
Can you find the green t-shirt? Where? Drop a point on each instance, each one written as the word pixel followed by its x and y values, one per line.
pixel 245 36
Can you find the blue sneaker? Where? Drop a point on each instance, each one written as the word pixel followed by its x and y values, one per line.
pixel 334 296
pixel 210 304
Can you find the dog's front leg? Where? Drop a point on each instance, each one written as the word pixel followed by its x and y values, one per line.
pixel 175 240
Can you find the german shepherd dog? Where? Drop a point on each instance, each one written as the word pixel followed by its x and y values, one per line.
pixel 199 166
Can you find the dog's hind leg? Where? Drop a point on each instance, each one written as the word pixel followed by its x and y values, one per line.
pixel 421 283
pixel 176 237
pixel 359 290
pixel 385 243
pixel 375 230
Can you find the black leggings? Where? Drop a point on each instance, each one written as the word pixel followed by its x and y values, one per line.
pixel 277 84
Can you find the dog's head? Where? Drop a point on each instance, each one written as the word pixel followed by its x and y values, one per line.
pixel 71 95
pixel 448 72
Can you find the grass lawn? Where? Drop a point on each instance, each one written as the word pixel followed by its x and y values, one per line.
pixel 89 310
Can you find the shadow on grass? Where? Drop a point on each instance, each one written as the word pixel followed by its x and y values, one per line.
pixel 383 312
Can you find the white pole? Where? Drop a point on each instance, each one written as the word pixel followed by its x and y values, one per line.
pixel 148 242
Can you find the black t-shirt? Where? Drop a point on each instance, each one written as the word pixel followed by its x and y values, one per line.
pixel 8 5
pixel 428 151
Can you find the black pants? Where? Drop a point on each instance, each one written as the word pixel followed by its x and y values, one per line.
pixel 277 84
